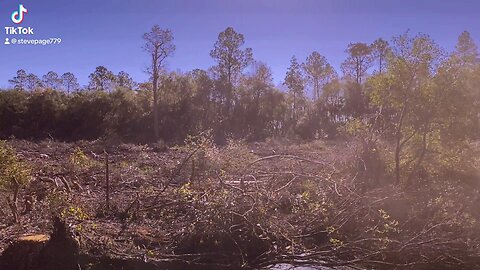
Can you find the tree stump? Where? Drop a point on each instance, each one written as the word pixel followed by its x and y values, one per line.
pixel 23 253
pixel 59 251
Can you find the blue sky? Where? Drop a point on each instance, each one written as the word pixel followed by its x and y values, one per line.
pixel 108 32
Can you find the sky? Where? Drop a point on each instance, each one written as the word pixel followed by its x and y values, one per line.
pixel 109 32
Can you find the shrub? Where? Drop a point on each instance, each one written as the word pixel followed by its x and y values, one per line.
pixel 14 175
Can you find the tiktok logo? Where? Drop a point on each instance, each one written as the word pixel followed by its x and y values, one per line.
pixel 18 15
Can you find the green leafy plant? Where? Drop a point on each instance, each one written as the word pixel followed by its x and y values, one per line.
pixel 14 175
pixel 81 161
pixel 76 213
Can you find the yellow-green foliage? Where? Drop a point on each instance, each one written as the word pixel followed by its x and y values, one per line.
pixel 76 213
pixel 202 146
pixel 185 191
pixel 57 201
pixel 202 140
pixel 388 224
pixel 234 157
pixel 80 160
pixel 14 174
pixel 446 210
pixel 356 127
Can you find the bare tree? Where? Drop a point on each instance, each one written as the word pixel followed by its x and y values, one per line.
pixel 159 44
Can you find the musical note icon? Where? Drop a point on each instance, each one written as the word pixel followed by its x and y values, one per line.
pixel 17 16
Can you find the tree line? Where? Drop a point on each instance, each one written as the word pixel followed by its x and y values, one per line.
pixel 101 79
pixel 408 90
